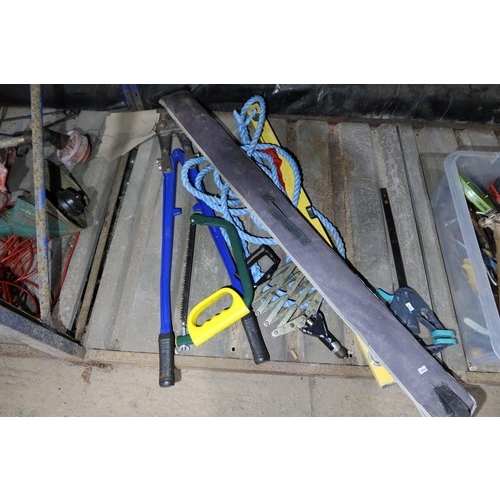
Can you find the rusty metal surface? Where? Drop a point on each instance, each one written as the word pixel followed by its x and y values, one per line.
pixel 76 150
pixel 42 241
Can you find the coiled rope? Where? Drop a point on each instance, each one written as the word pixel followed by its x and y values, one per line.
pixel 225 200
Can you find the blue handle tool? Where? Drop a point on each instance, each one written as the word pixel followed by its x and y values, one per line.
pixel 166 339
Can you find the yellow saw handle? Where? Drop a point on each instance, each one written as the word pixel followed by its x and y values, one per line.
pixel 212 326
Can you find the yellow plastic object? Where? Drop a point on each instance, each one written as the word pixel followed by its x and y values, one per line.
pixel 466 266
pixel 215 324
pixel 269 137
pixel 382 376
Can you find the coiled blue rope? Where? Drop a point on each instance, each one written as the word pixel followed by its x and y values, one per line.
pixel 227 203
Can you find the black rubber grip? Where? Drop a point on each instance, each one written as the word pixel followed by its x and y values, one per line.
pixel 453 405
pixel 166 345
pixel 255 339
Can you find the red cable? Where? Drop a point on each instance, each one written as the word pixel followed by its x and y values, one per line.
pixel 17 258
pixel 65 270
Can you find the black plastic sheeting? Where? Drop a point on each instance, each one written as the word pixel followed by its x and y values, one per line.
pixel 455 102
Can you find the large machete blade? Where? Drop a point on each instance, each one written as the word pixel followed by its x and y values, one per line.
pixel 416 371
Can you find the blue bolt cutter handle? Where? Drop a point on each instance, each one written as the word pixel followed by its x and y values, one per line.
pixel 166 339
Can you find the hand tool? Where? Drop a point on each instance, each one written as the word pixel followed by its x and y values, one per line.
pixel 264 252
pixel 184 340
pixel 406 304
pixel 240 307
pixel 166 338
pixel 433 389
pixel 288 284
pixel 316 326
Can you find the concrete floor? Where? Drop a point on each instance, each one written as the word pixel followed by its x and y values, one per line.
pixel 40 386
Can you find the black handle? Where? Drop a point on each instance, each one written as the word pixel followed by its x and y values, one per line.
pixel 166 345
pixel 255 339
pixel 335 346
pixel 259 254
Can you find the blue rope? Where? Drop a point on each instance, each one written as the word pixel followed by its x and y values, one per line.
pixel 332 230
pixel 227 203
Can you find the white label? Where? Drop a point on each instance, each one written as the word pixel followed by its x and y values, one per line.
pixel 422 369
pixel 409 307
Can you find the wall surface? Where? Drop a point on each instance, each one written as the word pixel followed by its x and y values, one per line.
pixel 446 102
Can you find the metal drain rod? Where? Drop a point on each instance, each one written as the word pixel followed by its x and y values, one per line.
pixel 42 243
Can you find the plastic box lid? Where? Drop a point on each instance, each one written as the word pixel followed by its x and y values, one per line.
pixel 475 306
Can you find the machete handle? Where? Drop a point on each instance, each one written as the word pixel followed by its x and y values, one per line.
pixel 255 339
pixel 166 347
pixel 212 326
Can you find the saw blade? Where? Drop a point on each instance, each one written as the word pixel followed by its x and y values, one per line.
pixel 186 277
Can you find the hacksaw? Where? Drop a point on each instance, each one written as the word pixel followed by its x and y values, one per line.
pixel 434 391
pixel 382 376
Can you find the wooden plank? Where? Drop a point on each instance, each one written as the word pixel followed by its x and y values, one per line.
pixel 85 307
pixel 116 321
pixel 227 364
pixel 103 358
pixel 434 144
pixel 393 176
pixel 476 138
pixel 365 237
pixel 424 152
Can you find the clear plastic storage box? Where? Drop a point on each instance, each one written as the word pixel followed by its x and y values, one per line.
pixel 475 305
